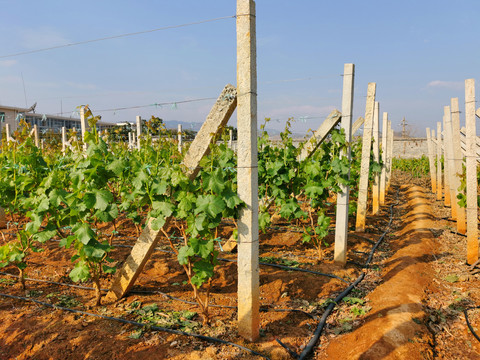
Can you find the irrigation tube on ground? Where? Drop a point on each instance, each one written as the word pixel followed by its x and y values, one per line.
pixel 470 327
pixel 289 268
pixel 265 308
pixel 130 322
pixel 305 353
pixel 321 325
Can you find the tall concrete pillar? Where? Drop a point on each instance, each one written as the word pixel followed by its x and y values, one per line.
pixel 341 225
pixel 248 247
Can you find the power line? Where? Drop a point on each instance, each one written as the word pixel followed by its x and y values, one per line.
pixel 173 103
pixel 117 36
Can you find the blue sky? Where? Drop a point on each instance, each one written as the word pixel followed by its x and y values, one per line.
pixel 418 52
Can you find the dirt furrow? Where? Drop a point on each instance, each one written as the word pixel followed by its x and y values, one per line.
pixel 394 328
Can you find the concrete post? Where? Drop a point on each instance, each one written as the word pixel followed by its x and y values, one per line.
pixel 357 124
pixel 458 163
pixel 139 131
pixel 84 127
pixel 390 154
pixel 248 251
pixel 36 136
pixel 318 136
pixel 7 132
pixel 365 164
pixel 449 160
pixel 145 245
pixel 179 137
pixel 376 158
pixel 129 139
pixel 431 161
pixel 446 179
pixel 341 224
pixel 64 140
pixel 471 162
pixel 384 159
pixel 439 163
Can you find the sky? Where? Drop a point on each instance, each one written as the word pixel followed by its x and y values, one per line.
pixel 418 52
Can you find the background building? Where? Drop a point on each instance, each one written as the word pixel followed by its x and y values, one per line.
pixel 12 115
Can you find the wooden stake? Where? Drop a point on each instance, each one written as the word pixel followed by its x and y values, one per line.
pixel 365 164
pixel 458 164
pixel 376 158
pixel 431 161
pixel 341 225
pixel 216 120
pixel 248 251
pixel 383 175
pixel 471 162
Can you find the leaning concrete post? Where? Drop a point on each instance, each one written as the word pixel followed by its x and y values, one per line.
pixel 365 164
pixel 471 162
pixel 84 127
pixel 36 136
pixel 439 162
pixel 431 161
pixel 3 220
pixel 376 158
pixel 139 131
pixel 446 179
pixel 248 252
pixel 458 163
pixel 318 136
pixel 357 124
pixel 200 147
pixel 179 137
pixel 64 140
pixel 129 139
pixel 449 160
pixel 341 224
pixel 384 159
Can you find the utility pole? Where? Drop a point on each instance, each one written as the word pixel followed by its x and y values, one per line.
pixel 404 134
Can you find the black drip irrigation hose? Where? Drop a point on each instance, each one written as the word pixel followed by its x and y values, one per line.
pixel 266 308
pixel 289 268
pixel 323 321
pixel 468 322
pixel 307 350
pixel 135 323
pixel 52 282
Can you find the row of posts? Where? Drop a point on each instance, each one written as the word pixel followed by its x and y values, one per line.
pixel 248 230
pixel 451 146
